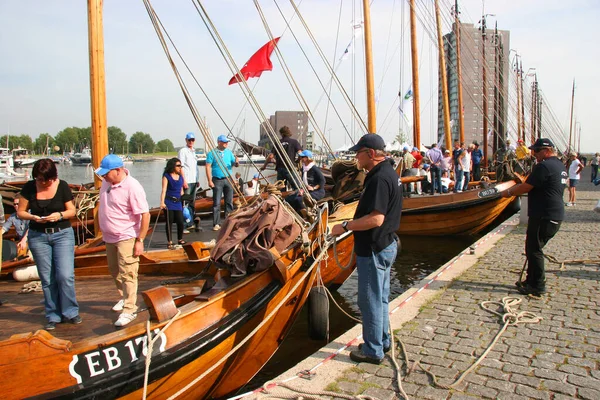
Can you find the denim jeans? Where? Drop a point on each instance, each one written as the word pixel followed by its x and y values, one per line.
pixel 476 172
pixel 466 179
pixel 458 176
pixel 192 189
pixel 284 174
pixel 373 299
pixel 539 232
pixel 222 187
pixel 436 179
pixel 54 254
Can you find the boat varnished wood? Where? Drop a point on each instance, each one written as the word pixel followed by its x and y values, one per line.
pixel 209 327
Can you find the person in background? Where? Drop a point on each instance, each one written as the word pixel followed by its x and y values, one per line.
pixel 124 219
pixel 574 167
pixel 253 187
pixel 170 200
pixel 21 226
pixel 408 162
pixel 466 165
pixel 239 182
pixel 47 203
pixel 446 163
pixel 313 180
pixel 219 178
pixel 291 147
pixel 189 170
pixel 435 157
pixel 446 181
pixel 476 157
pixel 417 166
pixel 458 172
pixel 546 211
pixel 374 225
pixel 522 151
pixel 595 163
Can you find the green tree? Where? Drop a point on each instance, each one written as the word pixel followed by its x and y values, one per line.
pixel 401 137
pixel 68 139
pixel 141 143
pixel 23 141
pixel 117 140
pixel 165 145
pixel 39 146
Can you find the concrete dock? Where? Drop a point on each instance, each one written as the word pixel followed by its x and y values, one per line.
pixel 443 326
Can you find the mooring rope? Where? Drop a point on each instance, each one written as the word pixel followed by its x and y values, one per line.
pixel 151 342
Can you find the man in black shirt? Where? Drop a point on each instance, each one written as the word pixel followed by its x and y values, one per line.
pixel 292 148
pixel 546 211
pixel 376 220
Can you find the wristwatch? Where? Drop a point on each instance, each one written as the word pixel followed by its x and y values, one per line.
pixel 345 226
pixel 139 240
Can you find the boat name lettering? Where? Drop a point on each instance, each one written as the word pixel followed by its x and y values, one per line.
pixel 107 359
pixel 488 192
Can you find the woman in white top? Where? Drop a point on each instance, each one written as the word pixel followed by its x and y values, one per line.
pixel 575 167
pixel 465 163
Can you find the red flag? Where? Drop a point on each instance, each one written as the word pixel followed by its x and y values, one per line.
pixel 258 63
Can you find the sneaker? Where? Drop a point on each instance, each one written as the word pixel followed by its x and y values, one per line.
pixel 358 356
pixel 118 306
pixel 75 320
pixel 185 231
pixel 573 204
pixel 459 191
pixel 385 349
pixel 569 204
pixel 125 318
pixel 50 326
pixel 216 227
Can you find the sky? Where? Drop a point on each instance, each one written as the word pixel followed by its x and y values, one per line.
pixel 44 72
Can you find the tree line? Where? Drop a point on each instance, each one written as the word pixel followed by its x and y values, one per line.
pixel 74 139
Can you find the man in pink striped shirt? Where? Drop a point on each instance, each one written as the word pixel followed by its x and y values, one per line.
pixel 124 219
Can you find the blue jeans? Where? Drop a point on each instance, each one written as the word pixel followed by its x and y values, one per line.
pixel 222 187
pixel 284 174
pixel 373 299
pixel 192 189
pixel 458 176
pixel 436 179
pixel 54 254
pixel 466 179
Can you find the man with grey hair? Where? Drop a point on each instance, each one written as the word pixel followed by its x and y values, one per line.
pixel 375 222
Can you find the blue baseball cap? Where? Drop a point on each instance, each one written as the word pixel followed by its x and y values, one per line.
pixel 425 166
pixel 110 162
pixel 370 141
pixel 306 153
pixel 190 135
pixel 256 176
pixel 223 138
pixel 406 148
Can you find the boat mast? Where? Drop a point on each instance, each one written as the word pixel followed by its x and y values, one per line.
pixel 485 97
pixel 444 79
pixel 534 104
pixel 496 105
pixel 97 85
pixel 520 133
pixel 539 123
pixel 571 123
pixel 522 98
pixel 415 77
pixel 461 117
pixel 372 122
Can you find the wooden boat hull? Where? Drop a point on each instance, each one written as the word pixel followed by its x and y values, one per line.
pixel 218 343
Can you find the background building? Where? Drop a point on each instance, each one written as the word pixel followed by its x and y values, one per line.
pixel 496 49
pixel 297 121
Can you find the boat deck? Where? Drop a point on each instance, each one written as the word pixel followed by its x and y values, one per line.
pixel 24 312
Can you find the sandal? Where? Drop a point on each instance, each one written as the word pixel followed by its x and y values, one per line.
pixel 182 242
pixel 170 246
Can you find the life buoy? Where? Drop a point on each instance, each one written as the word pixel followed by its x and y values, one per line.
pixel 26 274
pixel 318 314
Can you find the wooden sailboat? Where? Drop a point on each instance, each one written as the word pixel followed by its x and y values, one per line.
pixel 204 334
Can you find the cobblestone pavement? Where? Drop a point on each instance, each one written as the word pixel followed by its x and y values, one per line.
pixel 557 358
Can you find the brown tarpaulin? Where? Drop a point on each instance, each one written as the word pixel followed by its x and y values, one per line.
pixel 247 235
